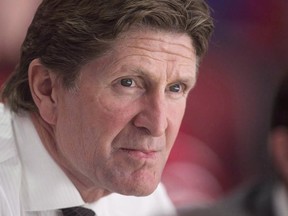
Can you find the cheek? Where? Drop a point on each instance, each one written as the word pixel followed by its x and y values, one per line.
pixel 175 113
pixel 74 121
pixel 116 111
pixel 175 116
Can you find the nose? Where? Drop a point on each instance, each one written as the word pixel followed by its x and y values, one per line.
pixel 153 115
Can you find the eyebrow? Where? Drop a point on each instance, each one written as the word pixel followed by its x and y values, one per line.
pixel 140 70
pixel 185 78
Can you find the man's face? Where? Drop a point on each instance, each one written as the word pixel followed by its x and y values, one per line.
pixel 116 131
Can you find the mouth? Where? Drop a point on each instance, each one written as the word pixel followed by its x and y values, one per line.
pixel 142 154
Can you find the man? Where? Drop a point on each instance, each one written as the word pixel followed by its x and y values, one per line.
pixel 269 195
pixel 95 104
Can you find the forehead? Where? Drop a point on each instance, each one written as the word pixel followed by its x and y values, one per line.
pixel 148 50
pixel 155 41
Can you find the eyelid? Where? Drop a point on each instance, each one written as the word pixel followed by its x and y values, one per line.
pixel 189 85
pixel 133 84
pixel 138 82
pixel 183 86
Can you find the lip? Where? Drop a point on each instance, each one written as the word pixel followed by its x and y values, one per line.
pixel 142 154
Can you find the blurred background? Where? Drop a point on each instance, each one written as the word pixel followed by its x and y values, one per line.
pixel 225 128
pixel 224 133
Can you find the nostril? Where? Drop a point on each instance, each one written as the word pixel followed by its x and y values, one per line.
pixel 144 130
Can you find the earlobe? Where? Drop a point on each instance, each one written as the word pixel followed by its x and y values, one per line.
pixel 42 87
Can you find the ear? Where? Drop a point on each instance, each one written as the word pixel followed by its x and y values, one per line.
pixel 279 150
pixel 42 86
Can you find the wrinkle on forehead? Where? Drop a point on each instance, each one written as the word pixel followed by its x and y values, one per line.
pixel 159 51
pixel 166 38
pixel 161 39
pixel 149 45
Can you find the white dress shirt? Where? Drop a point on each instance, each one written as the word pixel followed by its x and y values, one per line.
pixel 32 184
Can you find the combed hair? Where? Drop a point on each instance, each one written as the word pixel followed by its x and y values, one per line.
pixel 66 34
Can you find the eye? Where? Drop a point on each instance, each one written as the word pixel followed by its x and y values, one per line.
pixel 128 86
pixel 176 88
pixel 127 82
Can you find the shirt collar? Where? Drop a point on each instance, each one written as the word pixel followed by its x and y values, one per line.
pixel 45 186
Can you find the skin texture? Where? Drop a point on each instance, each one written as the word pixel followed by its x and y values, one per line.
pixel 114 131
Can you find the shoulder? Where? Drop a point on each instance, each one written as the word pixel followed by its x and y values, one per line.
pixel 230 206
pixel 5 208
pixel 7 148
pixel 10 168
pixel 246 201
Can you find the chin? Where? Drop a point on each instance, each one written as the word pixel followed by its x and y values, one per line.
pixel 139 183
pixel 140 189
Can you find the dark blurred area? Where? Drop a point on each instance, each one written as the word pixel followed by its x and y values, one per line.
pixel 228 113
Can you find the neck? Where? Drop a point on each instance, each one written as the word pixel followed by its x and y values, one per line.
pixel 87 189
